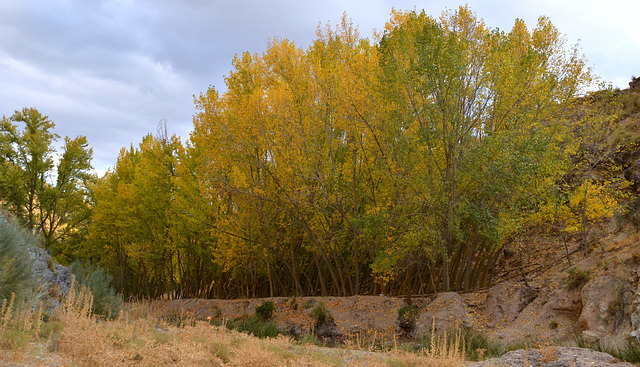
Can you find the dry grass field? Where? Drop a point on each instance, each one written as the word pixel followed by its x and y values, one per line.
pixel 75 337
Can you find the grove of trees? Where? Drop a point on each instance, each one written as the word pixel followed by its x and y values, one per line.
pixel 399 165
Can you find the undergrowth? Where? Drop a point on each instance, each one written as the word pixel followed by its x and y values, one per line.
pixel 16 273
pixel 77 337
pixel 254 325
pixel 106 301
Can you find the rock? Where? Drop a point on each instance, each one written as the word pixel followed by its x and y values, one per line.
pixel 506 300
pixel 634 83
pixel 54 280
pixel 554 357
pixel 564 301
pixel 447 311
pixel 293 330
pixel 604 302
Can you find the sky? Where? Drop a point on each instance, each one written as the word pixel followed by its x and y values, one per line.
pixel 112 70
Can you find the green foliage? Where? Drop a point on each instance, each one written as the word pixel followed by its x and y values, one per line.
pixel 321 314
pixel 51 329
pixel 106 301
pixel 408 312
pixel 407 316
pixel 16 272
pixel 265 310
pixel 183 319
pixel 578 277
pixel 57 210
pixel 309 339
pixel 293 304
pixel 353 166
pixel 218 312
pixel 256 326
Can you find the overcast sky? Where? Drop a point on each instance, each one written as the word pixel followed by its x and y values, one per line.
pixel 112 69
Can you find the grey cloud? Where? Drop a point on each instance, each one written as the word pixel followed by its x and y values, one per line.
pixel 112 69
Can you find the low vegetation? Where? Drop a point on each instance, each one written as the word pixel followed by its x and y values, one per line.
pixel 16 272
pixel 93 279
pixel 577 278
pixel 76 337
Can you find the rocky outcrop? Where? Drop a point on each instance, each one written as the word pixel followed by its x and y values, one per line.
pixel 634 83
pixel 506 300
pixel 604 311
pixel 446 312
pixel 554 357
pixel 54 280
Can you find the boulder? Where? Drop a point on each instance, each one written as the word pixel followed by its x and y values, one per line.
pixel 54 280
pixel 506 300
pixel 604 313
pixel 446 311
pixel 554 357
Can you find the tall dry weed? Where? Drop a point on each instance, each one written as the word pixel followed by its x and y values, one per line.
pixel 138 337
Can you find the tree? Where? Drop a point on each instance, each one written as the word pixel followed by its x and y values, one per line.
pixel 352 167
pixel 53 208
pixel 469 97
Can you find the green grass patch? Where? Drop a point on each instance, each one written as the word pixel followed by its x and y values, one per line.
pixel 255 325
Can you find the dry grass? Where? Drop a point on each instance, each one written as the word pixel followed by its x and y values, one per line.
pixel 138 338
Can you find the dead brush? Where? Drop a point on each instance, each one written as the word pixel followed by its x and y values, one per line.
pixel 442 351
pixel 18 327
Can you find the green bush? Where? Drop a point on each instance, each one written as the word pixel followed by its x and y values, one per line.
pixel 256 326
pixel 408 312
pixel 106 302
pixel 16 271
pixel 577 277
pixel 265 310
pixel 321 314
pixel 407 316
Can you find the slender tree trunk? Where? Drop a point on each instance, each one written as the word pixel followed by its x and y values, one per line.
pixel 585 248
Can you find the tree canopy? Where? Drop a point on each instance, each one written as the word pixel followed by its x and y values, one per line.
pixel 400 165
pixel 48 198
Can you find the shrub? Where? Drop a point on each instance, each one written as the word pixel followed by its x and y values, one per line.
pixel 293 304
pixel 321 314
pixel 265 310
pixel 408 312
pixel 473 344
pixel 577 277
pixel 256 326
pixel 16 271
pixel 106 302
pixel 407 316
pixel 222 351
